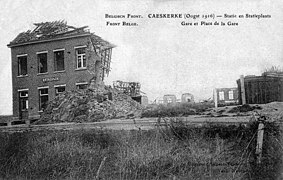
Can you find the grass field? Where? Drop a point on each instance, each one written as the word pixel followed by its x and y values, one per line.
pixel 173 152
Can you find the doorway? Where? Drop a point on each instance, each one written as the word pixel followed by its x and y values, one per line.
pixel 23 104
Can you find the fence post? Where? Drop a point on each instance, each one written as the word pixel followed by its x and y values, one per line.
pixel 100 168
pixel 259 142
pixel 215 98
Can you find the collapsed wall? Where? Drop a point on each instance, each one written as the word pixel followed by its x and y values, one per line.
pixel 89 105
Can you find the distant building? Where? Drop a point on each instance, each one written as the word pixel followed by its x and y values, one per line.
pixel 169 99
pixel 143 100
pixel 226 96
pixel 52 58
pixel 261 89
pixel 158 100
pixel 187 97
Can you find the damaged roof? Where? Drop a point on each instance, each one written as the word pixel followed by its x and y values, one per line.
pixel 54 30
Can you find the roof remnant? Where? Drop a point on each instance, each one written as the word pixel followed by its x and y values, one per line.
pixel 57 29
pixel 99 43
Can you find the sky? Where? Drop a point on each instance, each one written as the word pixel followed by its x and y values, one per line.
pixel 161 54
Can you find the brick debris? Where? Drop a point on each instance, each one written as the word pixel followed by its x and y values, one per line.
pixel 90 105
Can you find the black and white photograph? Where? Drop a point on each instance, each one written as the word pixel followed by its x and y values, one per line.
pixel 130 90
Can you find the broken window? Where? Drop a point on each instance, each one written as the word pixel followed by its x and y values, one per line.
pixel 22 66
pixel 43 98
pixel 82 85
pixel 59 61
pixel 59 89
pixel 81 58
pixel 231 95
pixel 221 95
pixel 42 62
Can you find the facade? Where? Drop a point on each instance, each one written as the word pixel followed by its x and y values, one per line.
pixel 260 89
pixel 187 97
pixel 53 58
pixel 226 96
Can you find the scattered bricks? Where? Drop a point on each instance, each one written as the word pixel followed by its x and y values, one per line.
pixel 89 105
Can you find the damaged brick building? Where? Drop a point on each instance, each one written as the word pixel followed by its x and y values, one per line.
pixel 52 58
pixel 261 89
pixel 226 96
pixel 187 97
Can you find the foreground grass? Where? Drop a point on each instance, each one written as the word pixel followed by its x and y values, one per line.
pixel 176 151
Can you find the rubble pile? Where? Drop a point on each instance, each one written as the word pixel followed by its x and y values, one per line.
pixel 89 105
pixel 244 108
pixel 273 110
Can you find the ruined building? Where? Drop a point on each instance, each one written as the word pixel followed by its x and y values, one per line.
pixel 132 89
pixel 260 89
pixel 169 99
pixel 52 58
pixel 226 96
pixel 187 97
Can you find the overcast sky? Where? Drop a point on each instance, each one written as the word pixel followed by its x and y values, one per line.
pixel 165 57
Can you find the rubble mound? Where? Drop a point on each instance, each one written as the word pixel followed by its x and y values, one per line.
pixel 89 105
pixel 243 108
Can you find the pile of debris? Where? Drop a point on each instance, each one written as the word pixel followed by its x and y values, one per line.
pixel 244 108
pixel 273 110
pixel 90 105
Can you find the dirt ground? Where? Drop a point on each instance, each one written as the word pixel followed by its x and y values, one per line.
pixel 273 111
pixel 223 115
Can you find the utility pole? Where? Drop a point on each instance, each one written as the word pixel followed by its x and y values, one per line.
pixel 243 94
pixel 215 98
